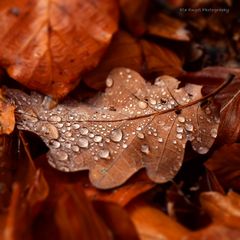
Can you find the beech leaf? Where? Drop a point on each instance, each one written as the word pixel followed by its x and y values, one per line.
pixel 46 45
pixel 133 125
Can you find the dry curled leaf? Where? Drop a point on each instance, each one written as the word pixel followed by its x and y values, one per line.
pixel 133 125
pixel 45 45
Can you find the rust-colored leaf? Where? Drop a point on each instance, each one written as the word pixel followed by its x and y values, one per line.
pixel 146 126
pixel 145 57
pixel 152 223
pixel 225 163
pixel 76 218
pixel 162 25
pixel 117 219
pixel 7 119
pixel 45 45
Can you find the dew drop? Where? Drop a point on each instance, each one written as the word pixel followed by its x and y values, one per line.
pixel 213 133
pixel 97 139
pixel 91 135
pixel 189 127
pixel 145 149
pixel 104 153
pixel 75 148
pixel 160 140
pixel 142 105
pixel 61 156
pixel 109 82
pixel 76 126
pixel 54 118
pixel 179 136
pixel 83 143
pixel 116 135
pixel 68 134
pixel 54 144
pixel 208 111
pixel 179 130
pixel 152 101
pixel 124 145
pixel 174 142
pixel 140 135
pixel 84 131
pixel 202 150
pixel 181 119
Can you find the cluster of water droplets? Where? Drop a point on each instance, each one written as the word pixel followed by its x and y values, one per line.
pixel 102 133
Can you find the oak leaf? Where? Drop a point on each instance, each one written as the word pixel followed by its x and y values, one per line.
pixel 133 125
pixel 46 45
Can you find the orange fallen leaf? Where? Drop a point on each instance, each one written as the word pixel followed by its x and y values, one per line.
pixel 7 119
pixel 46 45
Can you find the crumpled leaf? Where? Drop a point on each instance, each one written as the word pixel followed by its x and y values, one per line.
pixel 133 125
pixel 45 45
pixel 7 119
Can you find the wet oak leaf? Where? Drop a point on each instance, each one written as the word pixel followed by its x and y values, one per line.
pixel 46 45
pixel 133 125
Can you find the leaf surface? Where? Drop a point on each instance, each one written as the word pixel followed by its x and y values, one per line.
pixel 133 125
pixel 45 44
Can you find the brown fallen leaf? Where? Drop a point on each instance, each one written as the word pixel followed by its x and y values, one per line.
pixel 162 25
pixel 145 57
pixel 46 45
pixel 134 13
pixel 117 219
pixel 225 163
pixel 152 223
pixel 76 218
pixel 146 126
pixel 7 119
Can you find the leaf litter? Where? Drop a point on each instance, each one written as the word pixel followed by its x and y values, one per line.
pixel 132 125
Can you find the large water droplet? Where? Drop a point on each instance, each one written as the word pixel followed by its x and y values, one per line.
pixel 55 118
pixel 48 130
pixel 189 127
pixel 181 119
pixel 84 131
pixel 97 139
pixel 75 148
pixel 145 149
pixel 116 135
pixel 142 105
pixel 104 153
pixel 179 136
pixel 61 156
pixel 202 150
pixel 54 144
pixel 160 139
pixel 109 82
pixel 179 130
pixel 152 101
pixel 76 126
pixel 213 133
pixel 83 142
pixel 140 135
pixel 68 134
